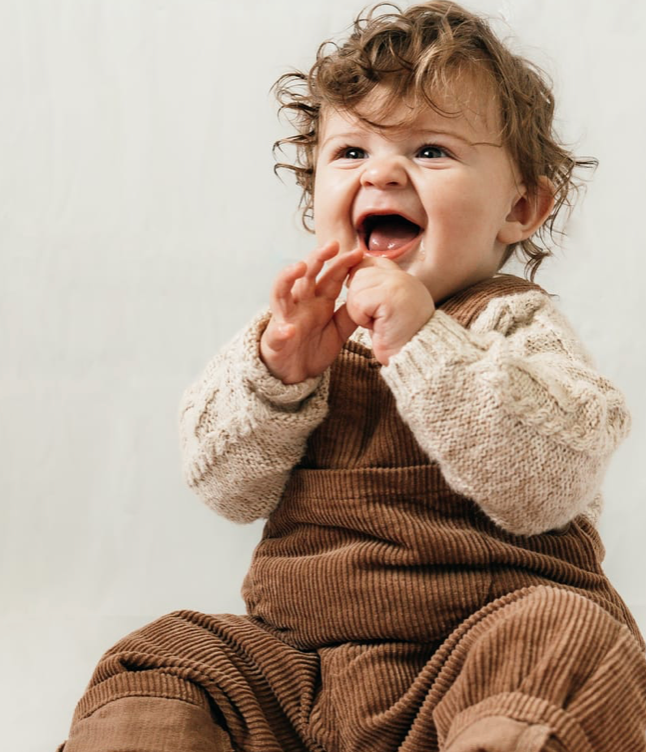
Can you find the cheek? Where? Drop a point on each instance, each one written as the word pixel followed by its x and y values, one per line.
pixel 467 209
pixel 332 201
pixel 455 209
pixel 322 211
pixel 322 194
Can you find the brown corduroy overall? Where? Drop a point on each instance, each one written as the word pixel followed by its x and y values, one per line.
pixel 386 613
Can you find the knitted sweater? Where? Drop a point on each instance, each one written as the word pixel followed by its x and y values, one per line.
pixel 511 408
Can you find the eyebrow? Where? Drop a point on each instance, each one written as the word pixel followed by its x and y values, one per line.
pixel 417 131
pixel 453 134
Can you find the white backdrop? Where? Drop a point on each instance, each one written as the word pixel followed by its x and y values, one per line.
pixel 140 226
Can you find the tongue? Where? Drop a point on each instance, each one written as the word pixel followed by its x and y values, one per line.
pixel 391 233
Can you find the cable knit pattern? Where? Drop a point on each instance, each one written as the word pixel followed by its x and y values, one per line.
pixel 512 409
pixel 242 430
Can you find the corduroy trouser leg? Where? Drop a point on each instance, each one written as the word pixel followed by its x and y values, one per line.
pixel 148 724
pixel 539 669
pixel 569 675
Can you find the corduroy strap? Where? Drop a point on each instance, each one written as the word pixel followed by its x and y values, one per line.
pixel 466 306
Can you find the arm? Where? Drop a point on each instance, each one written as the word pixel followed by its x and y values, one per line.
pixel 245 423
pixel 512 410
pixel 242 430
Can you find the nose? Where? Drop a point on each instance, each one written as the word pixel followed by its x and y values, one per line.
pixel 384 172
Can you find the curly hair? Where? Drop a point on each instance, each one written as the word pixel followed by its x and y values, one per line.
pixel 418 53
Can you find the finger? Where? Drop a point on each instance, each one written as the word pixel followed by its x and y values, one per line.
pixel 281 299
pixel 353 273
pixel 365 263
pixel 317 259
pixel 330 283
pixel 315 263
pixel 305 288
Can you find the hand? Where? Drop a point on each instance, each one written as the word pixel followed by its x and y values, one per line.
pixel 305 334
pixel 392 304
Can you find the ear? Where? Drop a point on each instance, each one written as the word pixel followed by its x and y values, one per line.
pixel 528 212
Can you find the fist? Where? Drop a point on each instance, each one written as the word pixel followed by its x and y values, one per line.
pixel 392 304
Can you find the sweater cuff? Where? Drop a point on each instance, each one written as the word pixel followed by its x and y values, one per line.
pixel 441 341
pixel 261 381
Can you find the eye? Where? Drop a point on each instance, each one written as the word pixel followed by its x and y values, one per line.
pixel 350 152
pixel 431 151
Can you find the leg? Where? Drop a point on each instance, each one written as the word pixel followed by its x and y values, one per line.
pixel 539 670
pixel 197 683
pixel 549 670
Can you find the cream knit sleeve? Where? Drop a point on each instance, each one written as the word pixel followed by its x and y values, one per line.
pixel 242 430
pixel 513 411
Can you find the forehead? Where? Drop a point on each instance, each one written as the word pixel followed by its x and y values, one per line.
pixel 467 106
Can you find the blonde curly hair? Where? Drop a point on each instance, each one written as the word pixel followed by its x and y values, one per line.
pixel 418 52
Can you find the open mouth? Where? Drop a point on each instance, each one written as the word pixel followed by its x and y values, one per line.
pixel 388 234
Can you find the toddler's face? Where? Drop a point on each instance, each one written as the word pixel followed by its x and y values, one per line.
pixel 438 197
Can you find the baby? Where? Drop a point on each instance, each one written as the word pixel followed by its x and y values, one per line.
pixel 425 436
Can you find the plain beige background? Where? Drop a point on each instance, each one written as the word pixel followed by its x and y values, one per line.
pixel 141 225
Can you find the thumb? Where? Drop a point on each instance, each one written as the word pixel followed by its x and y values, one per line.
pixel 367 262
pixel 379 261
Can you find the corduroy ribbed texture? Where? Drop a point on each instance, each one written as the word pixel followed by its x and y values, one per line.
pixel 543 656
pixel 368 511
pixel 386 612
